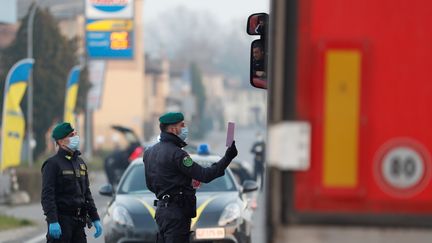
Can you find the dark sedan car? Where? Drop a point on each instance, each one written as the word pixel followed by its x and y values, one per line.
pixel 223 215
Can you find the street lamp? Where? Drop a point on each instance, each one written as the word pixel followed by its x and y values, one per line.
pixel 30 22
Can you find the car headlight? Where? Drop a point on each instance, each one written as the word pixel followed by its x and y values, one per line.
pixel 230 213
pixel 122 217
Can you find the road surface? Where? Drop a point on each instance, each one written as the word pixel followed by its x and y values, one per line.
pixel 244 139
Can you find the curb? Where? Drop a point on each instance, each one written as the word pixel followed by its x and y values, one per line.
pixel 12 235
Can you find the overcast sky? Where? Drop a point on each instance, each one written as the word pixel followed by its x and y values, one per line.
pixel 227 10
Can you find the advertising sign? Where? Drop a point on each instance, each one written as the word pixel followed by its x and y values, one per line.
pixel 12 131
pixel 109 25
pixel 71 95
pixel 96 77
pixel 109 39
pixel 104 9
pixel 110 45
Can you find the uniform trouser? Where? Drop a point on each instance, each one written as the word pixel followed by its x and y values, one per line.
pixel 259 172
pixel 174 227
pixel 72 229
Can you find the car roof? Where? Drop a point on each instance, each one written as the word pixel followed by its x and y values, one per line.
pixel 209 158
pixel 203 160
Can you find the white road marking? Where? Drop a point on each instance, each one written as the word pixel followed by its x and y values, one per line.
pixel 37 239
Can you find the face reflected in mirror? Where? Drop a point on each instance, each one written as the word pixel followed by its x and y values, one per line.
pixel 258 53
pixel 258 62
pixel 257 24
pixel 258 65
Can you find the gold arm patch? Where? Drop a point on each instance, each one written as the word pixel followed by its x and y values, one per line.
pixel 187 161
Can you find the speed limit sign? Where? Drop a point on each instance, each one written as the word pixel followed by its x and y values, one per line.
pixel 403 169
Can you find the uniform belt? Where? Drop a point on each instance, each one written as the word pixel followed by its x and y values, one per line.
pixel 163 200
pixel 166 200
pixel 159 203
pixel 172 195
pixel 78 212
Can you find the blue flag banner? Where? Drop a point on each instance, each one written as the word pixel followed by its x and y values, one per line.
pixel 71 95
pixel 13 123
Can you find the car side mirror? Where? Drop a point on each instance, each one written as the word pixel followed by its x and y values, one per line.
pixel 249 186
pixel 106 190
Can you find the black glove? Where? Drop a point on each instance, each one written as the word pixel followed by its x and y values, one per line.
pixel 231 151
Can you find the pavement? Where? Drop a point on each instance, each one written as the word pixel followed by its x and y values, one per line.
pixel 33 212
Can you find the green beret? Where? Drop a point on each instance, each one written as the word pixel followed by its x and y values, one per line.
pixel 61 130
pixel 171 118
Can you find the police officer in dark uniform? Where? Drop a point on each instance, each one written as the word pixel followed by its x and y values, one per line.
pixel 169 172
pixel 258 148
pixel 66 198
pixel 258 61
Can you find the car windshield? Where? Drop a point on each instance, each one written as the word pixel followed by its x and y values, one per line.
pixel 223 183
pixel 135 183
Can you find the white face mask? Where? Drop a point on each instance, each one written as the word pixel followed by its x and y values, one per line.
pixel 74 143
pixel 183 133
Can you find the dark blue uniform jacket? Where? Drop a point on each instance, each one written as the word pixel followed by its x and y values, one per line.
pixel 65 186
pixel 170 170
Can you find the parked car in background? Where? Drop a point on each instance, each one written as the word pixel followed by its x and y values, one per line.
pixel 117 162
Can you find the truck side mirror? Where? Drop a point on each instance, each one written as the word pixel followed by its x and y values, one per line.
pixel 258 65
pixel 257 24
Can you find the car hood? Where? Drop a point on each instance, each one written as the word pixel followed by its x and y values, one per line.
pixel 140 208
pixel 210 206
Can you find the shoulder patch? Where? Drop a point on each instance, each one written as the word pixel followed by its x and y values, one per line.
pixel 187 161
pixel 83 167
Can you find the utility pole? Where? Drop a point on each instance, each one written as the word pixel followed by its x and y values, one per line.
pixel 30 22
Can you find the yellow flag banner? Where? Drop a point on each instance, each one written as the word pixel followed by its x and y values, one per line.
pixel 71 95
pixel 13 123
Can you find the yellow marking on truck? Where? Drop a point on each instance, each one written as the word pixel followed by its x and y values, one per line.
pixel 341 118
